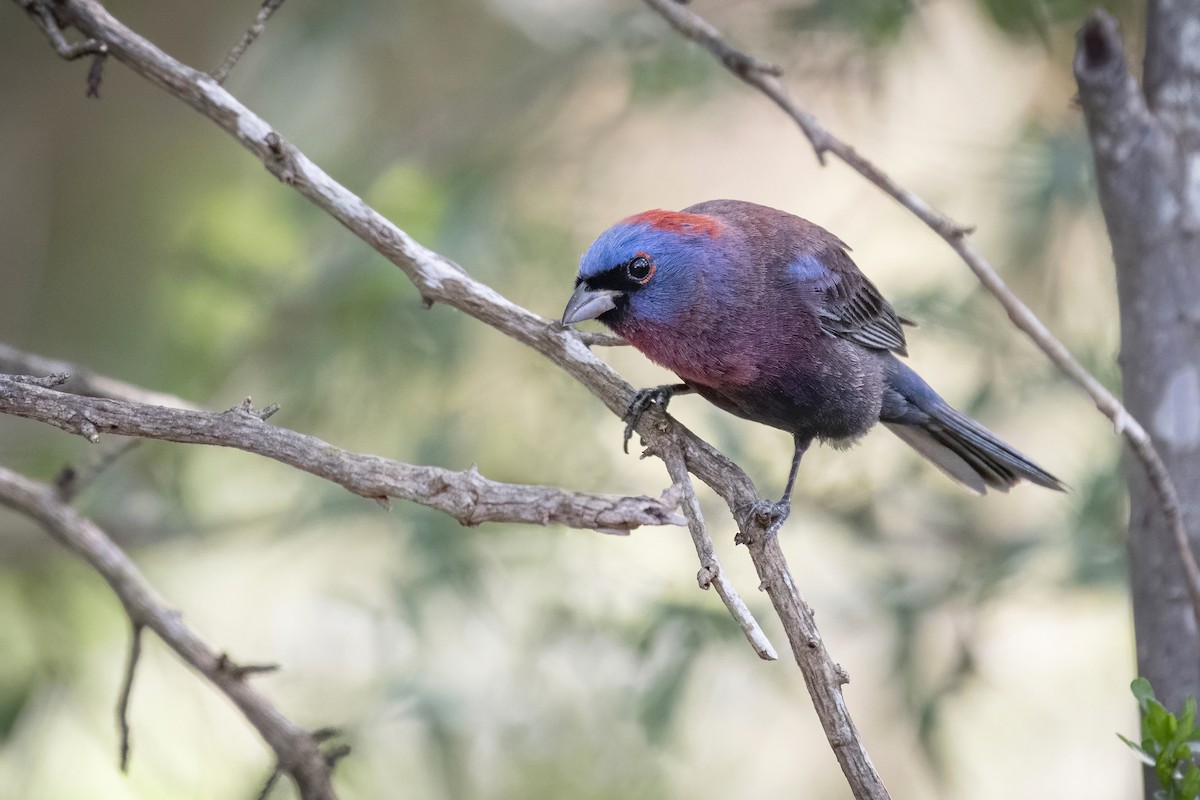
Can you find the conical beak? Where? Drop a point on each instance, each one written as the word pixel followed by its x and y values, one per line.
pixel 589 303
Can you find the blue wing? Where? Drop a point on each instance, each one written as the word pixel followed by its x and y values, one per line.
pixel 847 304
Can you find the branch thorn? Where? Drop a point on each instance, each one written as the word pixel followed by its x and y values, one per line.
pixel 284 163
pixel 237 671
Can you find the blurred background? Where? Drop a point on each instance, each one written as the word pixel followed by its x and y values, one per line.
pixel 988 640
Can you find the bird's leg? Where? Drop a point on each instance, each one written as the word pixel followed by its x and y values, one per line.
pixel 644 399
pixel 773 515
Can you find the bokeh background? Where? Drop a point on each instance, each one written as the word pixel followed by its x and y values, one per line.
pixel 988 640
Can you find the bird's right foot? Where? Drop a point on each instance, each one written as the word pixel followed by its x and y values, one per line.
pixel 641 402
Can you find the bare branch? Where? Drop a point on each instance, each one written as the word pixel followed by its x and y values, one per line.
pixel 441 280
pixel 711 573
pixel 265 11
pixel 694 27
pixel 823 677
pixel 467 496
pixel 297 751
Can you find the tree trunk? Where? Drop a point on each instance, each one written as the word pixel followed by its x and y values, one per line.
pixel 1146 143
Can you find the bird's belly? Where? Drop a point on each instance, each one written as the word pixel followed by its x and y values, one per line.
pixel 809 402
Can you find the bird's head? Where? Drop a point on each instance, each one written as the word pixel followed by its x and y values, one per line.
pixel 647 267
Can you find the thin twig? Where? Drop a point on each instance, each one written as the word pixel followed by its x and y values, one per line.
pixel 135 653
pixel 467 496
pixel 270 783
pixel 46 20
pixel 711 572
pixel 296 749
pixel 98 50
pixel 700 31
pixel 265 11
pixel 601 339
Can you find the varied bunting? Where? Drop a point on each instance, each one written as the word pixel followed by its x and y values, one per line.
pixel 764 314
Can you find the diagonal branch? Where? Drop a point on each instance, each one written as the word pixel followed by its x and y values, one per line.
pixel 296 750
pixel 467 496
pixel 694 27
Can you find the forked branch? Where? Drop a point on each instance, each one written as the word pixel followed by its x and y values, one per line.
pixel 296 750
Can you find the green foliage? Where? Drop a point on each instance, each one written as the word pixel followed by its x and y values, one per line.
pixel 1096 535
pixel 1168 744
pixel 875 22
pixel 675 69
pixel 880 23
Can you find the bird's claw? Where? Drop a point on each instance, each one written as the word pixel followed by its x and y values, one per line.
pixel 639 405
pixel 771 515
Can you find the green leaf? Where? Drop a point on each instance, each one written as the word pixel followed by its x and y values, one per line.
pixel 1187 722
pixel 1164 768
pixel 1189 788
pixel 1143 756
pixel 1159 724
pixel 1143 691
pixel 1184 726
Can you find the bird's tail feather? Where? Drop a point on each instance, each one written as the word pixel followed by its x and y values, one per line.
pixel 968 452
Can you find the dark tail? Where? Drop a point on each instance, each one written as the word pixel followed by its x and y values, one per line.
pixel 958 445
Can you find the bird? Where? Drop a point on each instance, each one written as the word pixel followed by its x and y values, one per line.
pixel 765 315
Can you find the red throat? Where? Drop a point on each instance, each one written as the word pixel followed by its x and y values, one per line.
pixel 678 222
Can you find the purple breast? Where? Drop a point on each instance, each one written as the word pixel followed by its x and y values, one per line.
pixel 693 353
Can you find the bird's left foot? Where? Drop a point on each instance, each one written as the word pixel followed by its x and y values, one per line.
pixel 641 402
pixel 771 515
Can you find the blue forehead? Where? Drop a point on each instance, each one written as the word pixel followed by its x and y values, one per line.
pixel 625 240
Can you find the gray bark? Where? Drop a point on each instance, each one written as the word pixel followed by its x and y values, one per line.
pixel 1147 161
pixel 467 496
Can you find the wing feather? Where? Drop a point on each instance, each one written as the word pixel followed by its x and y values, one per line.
pixel 849 305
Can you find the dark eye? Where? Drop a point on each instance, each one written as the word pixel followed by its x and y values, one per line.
pixel 640 268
